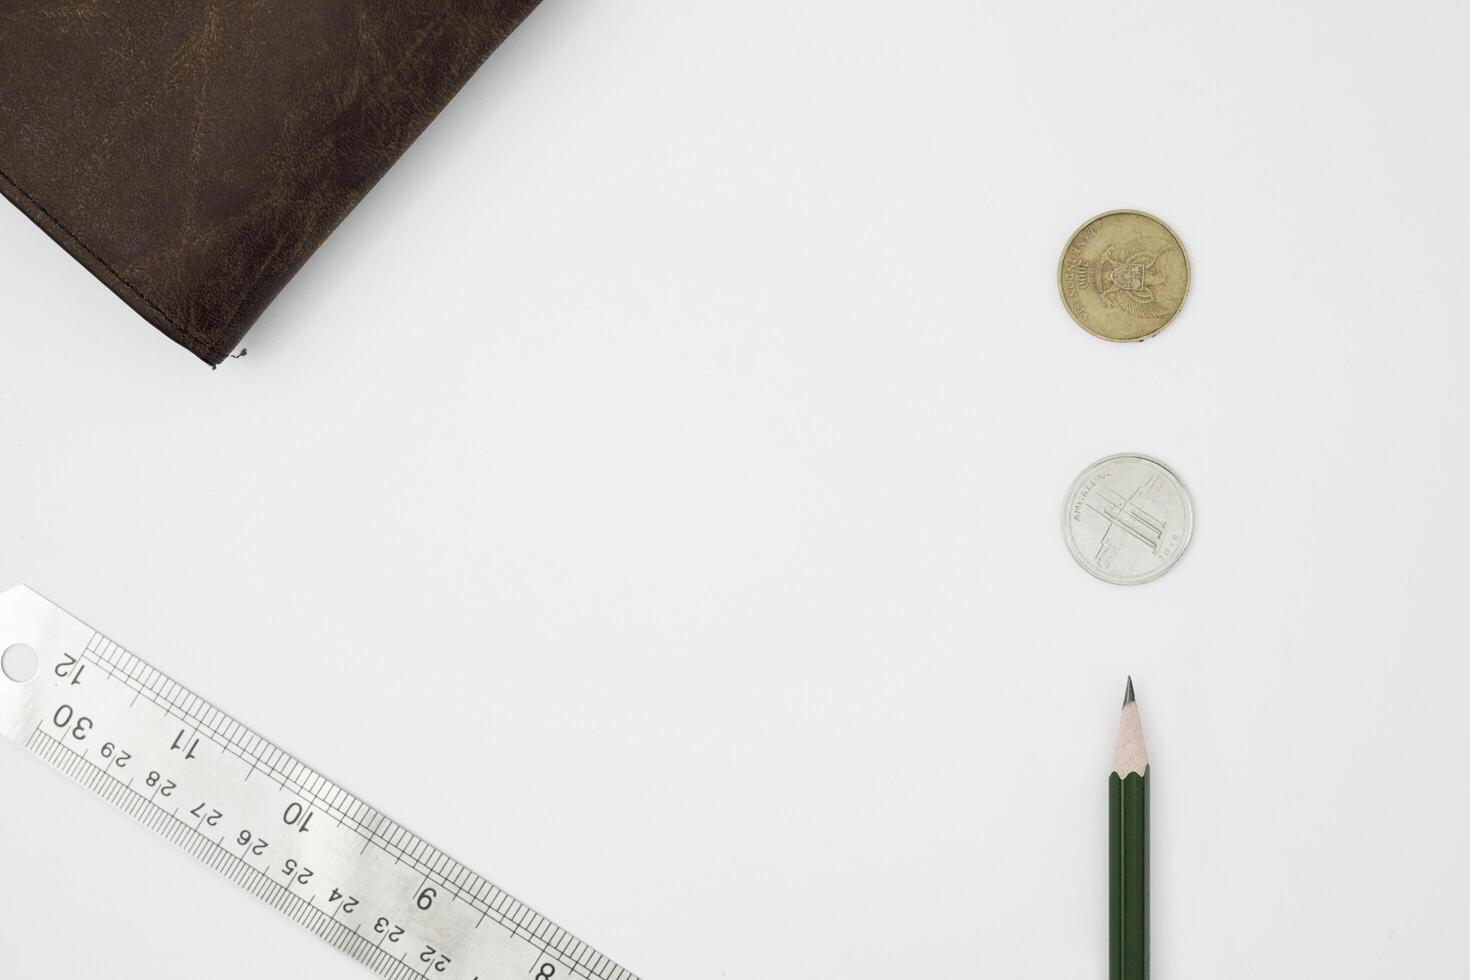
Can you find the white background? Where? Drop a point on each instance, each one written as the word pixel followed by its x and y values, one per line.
pixel 651 494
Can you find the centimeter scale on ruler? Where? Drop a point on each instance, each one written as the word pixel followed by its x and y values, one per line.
pixel 280 830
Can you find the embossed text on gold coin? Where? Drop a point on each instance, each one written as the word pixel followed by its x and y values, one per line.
pixel 1124 275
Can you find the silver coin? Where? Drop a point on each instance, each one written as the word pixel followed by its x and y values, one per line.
pixel 1127 519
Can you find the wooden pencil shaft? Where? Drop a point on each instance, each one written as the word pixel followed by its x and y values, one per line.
pixel 1128 876
pixel 1128 848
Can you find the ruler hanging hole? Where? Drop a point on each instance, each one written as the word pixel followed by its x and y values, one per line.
pixel 20 663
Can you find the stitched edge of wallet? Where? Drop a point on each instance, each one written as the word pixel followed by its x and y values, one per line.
pixel 73 243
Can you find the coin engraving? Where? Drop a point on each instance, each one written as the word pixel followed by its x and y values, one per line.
pixel 1127 519
pixel 1123 275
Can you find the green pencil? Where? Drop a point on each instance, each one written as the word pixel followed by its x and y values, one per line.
pixel 1128 849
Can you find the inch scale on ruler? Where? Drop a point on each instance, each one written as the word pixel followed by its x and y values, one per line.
pixel 281 831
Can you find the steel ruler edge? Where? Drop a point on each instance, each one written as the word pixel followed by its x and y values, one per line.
pixel 246 809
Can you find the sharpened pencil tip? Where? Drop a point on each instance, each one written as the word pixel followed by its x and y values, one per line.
pixel 1128 694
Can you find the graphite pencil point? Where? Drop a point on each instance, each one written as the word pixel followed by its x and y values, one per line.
pixel 1128 848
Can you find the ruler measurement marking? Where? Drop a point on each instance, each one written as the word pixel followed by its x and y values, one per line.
pixel 71 763
pixel 315 791
pixel 158 695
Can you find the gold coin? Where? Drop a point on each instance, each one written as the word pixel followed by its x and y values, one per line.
pixel 1123 275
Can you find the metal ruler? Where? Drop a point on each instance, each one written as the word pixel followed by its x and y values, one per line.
pixel 283 832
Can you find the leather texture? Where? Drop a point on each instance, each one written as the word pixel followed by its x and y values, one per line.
pixel 193 154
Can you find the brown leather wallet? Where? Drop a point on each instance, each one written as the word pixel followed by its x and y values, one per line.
pixel 193 154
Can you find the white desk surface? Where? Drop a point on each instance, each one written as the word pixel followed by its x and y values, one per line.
pixel 676 440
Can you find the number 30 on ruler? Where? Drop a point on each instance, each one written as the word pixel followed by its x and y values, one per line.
pixel 283 832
